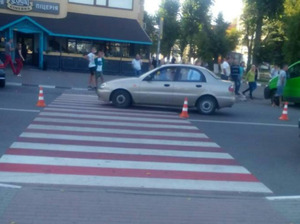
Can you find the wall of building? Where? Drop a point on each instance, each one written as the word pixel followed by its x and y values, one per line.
pixel 65 6
pixel 63 9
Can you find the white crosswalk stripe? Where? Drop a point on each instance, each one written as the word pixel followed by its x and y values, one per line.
pixel 78 140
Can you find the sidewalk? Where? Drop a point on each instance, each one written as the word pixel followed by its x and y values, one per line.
pixel 52 79
pixel 74 205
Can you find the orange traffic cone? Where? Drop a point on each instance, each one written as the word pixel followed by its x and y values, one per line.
pixel 284 115
pixel 41 102
pixel 184 113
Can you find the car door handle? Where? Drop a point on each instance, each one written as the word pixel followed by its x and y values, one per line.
pixel 167 85
pixel 198 86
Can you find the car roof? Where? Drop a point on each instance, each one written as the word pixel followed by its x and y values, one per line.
pixel 182 65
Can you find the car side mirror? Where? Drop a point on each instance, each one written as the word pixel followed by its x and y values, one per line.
pixel 148 78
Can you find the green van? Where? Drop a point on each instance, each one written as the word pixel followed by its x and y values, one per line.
pixel 291 92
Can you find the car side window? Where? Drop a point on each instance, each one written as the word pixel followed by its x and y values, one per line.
pixel 294 71
pixel 164 74
pixel 190 75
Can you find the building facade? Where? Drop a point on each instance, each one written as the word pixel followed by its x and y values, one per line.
pixel 58 33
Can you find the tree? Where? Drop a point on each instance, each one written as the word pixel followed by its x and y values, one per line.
pixel 150 22
pixel 195 20
pixel 263 9
pixel 292 27
pixel 169 10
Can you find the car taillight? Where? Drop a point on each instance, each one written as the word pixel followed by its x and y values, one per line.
pixel 231 88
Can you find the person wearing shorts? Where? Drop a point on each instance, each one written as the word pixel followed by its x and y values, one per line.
pixel 280 84
pixel 92 68
pixel 99 61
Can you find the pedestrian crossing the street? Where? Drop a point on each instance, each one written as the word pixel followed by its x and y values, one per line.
pixel 77 140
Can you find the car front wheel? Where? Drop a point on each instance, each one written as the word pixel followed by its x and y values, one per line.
pixel 2 83
pixel 121 99
pixel 206 105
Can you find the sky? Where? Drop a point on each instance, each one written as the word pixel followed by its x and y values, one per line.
pixel 230 8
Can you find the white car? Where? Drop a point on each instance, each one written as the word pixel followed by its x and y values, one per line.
pixel 168 85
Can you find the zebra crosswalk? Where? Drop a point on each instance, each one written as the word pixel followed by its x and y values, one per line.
pixel 77 140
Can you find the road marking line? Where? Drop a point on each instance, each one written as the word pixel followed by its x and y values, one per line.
pixel 245 123
pixel 161 166
pixel 10 186
pixel 109 112
pixel 47 86
pixel 111 108
pixel 13 84
pixel 156 183
pixel 114 117
pixel 125 124
pixel 118 140
pixel 116 130
pixel 273 198
pixel 20 110
pixel 116 150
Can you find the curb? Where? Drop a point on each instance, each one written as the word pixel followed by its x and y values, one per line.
pixel 45 86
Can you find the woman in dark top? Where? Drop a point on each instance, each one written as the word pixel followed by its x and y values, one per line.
pixel 19 59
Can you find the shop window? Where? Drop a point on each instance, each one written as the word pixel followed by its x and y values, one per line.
pixel 121 4
pixel 83 47
pixel 117 50
pixel 53 45
pixel 72 46
pixel 101 2
pixel 124 4
pixel 86 2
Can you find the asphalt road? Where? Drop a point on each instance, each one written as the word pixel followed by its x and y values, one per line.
pixel 250 131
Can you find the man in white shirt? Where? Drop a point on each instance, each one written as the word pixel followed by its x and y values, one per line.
pixel 92 67
pixel 225 69
pixel 137 65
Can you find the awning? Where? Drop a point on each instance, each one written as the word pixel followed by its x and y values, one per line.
pixel 84 26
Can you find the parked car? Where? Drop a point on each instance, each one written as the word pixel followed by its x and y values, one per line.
pixel 168 85
pixel 291 92
pixel 299 126
pixel 2 76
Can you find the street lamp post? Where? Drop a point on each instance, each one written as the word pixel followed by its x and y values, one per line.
pixel 160 32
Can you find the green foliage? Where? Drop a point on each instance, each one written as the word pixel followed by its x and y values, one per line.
pixel 262 10
pixel 195 19
pixel 150 22
pixel 169 10
pixel 291 28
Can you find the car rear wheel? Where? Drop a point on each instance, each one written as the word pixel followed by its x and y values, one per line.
pixel 206 105
pixel 2 83
pixel 121 99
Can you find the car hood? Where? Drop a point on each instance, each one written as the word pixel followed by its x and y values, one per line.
pixel 122 80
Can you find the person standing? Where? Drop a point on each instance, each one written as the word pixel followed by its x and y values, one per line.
pixel 99 61
pixel 137 64
pixel 281 84
pixel 8 59
pixel 225 69
pixel 250 78
pixel 275 71
pixel 92 68
pixel 19 59
pixel 235 76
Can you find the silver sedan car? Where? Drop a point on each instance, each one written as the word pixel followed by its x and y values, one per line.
pixel 168 85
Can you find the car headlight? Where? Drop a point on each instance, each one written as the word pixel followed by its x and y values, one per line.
pixel 103 85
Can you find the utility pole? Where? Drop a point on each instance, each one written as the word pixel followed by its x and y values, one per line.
pixel 160 33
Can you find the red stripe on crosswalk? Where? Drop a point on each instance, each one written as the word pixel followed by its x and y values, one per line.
pixel 113 156
pixel 137 145
pixel 116 135
pixel 113 172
